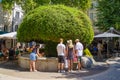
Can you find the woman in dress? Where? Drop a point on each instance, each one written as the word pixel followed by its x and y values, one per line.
pixel 70 54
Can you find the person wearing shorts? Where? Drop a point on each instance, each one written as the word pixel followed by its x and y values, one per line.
pixel 79 58
pixel 61 56
pixel 33 58
pixel 79 52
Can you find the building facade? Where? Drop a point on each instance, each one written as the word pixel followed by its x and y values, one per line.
pixel 9 22
pixel 17 15
pixel 92 13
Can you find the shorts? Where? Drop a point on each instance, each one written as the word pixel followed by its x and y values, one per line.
pixel 79 58
pixel 33 57
pixel 61 59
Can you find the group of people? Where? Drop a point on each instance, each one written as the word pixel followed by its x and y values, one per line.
pixel 104 49
pixel 67 53
pixel 9 54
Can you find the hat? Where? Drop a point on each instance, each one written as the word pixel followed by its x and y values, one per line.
pixel 77 40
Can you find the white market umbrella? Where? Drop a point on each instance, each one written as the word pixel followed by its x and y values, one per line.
pixel 11 35
pixel 106 34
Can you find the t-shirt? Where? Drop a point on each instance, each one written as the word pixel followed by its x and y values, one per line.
pixel 79 47
pixel 95 49
pixel 60 49
pixel 17 52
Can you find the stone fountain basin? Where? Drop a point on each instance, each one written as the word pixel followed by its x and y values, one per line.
pixel 45 64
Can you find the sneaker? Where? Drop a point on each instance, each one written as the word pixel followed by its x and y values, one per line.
pixel 30 70
pixel 59 71
pixel 62 71
pixel 79 70
pixel 35 70
pixel 71 71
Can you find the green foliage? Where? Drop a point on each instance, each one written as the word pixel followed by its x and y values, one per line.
pixel 84 5
pixel 108 14
pixel 53 22
pixel 50 49
pixel 29 5
pixel 7 5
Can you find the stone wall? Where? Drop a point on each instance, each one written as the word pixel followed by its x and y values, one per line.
pixel 43 64
pixel 50 64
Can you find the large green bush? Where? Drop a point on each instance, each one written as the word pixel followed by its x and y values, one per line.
pixel 55 21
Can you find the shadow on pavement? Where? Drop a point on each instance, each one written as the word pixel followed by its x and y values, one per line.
pixel 13 65
pixel 84 72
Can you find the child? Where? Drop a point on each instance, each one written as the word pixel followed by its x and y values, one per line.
pixel 66 65
pixel 33 58
pixel 75 61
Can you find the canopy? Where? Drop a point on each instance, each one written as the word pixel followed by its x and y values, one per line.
pixel 11 35
pixel 106 34
pixel 3 32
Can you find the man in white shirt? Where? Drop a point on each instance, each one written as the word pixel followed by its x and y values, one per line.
pixel 61 55
pixel 79 52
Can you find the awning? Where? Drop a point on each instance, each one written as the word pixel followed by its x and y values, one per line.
pixel 11 35
pixel 3 32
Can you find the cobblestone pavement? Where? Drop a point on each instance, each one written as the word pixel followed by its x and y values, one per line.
pixel 98 72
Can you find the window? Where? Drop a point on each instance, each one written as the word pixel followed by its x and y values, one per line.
pixel 91 16
pixel 17 15
pixel 94 5
pixel 5 27
pixel 16 27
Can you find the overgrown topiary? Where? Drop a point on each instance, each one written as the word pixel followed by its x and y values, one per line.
pixel 53 22
pixel 49 23
pixel 50 49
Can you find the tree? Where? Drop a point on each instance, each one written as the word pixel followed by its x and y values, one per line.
pixel 29 5
pixel 84 5
pixel 53 22
pixel 108 14
pixel 7 4
pixel 6 12
pixel 49 23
